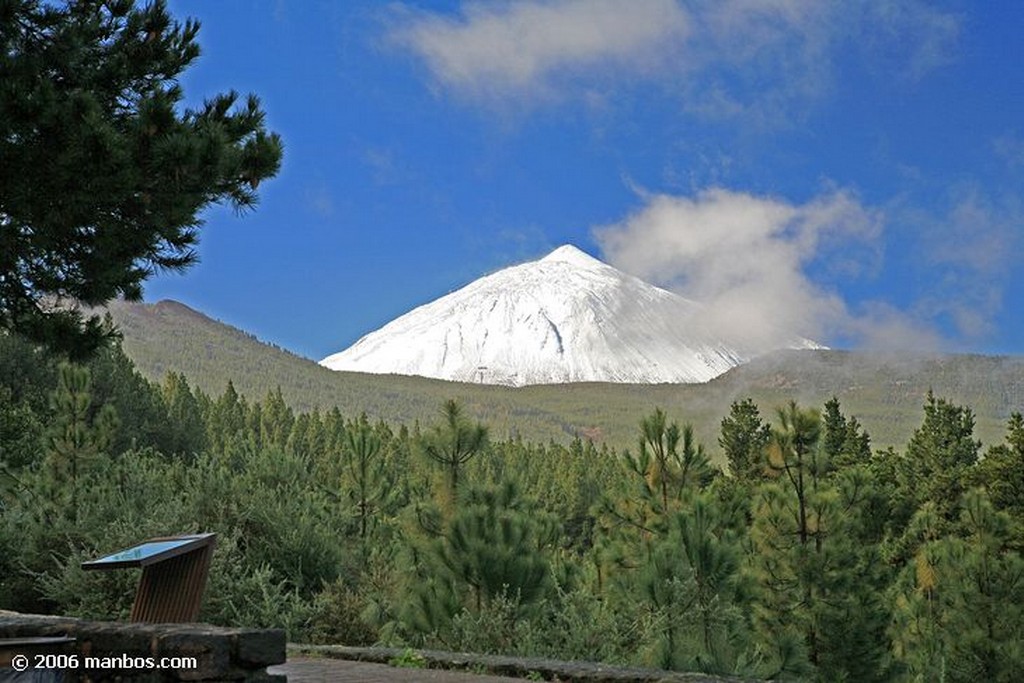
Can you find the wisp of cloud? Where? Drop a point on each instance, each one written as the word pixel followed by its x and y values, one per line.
pixel 498 52
pixel 743 257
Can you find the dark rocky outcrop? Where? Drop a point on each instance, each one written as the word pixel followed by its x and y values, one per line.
pixel 132 652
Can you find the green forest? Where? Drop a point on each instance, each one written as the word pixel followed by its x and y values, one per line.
pixel 811 556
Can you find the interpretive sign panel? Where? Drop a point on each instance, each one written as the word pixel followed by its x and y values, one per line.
pixel 148 552
pixel 174 572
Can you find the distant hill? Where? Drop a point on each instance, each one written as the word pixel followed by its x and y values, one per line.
pixel 885 392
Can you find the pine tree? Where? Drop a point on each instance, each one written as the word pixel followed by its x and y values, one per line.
pixel 671 470
pixel 657 481
pixel 497 544
pixel 960 603
pixel 365 478
pixel 819 611
pixel 227 421
pixel 276 420
pixel 744 438
pixel 140 409
pixel 793 454
pixel 843 441
pixel 78 436
pixel 454 442
pixel 940 454
pixel 308 439
pixel 188 434
pixel 335 429
pixel 1002 473
pixel 694 583
pixel 20 430
pixel 495 548
pixel 104 172
pixel 659 445
pixel 662 473
pixel 670 550
pixel 935 469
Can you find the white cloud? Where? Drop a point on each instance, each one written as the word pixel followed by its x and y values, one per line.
pixel 1010 148
pixel 501 49
pixel 880 326
pixel 970 252
pixel 383 167
pixel 765 60
pixel 755 58
pixel 761 59
pixel 914 36
pixel 319 200
pixel 749 259
pixel 744 257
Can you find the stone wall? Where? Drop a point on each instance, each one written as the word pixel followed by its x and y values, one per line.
pixel 221 654
pixel 528 668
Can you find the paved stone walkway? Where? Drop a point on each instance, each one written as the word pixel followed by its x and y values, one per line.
pixel 326 670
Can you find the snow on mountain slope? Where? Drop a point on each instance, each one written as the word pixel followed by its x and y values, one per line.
pixel 565 318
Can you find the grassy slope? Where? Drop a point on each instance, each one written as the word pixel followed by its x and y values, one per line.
pixel 884 392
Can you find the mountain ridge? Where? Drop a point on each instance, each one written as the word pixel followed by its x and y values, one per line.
pixel 884 391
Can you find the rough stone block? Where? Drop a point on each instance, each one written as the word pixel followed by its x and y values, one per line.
pixel 260 648
pixel 211 651
pixel 103 639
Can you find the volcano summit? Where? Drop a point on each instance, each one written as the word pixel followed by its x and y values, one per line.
pixel 567 317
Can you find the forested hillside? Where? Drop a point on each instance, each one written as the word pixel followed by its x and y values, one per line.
pixel 883 390
pixel 811 556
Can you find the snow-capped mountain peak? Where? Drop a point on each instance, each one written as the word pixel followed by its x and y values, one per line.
pixel 568 253
pixel 567 317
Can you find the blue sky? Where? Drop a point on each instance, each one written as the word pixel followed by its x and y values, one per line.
pixel 851 171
